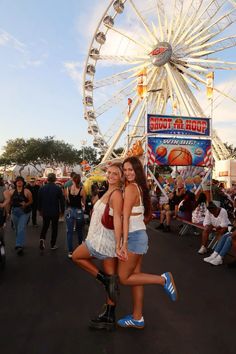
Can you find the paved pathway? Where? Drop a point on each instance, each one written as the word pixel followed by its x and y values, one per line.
pixel 46 302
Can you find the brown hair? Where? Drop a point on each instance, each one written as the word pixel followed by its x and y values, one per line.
pixel 77 179
pixel 141 180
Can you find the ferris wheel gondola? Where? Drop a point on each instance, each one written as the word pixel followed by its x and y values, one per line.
pixel 175 45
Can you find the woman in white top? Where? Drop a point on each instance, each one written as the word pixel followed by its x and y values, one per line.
pixel 101 243
pixel 137 208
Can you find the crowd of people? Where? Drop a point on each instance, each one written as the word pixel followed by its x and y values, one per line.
pixel 216 215
pixel 118 238
pixel 118 211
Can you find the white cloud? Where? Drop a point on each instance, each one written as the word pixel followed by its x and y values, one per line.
pixel 75 71
pixel 7 39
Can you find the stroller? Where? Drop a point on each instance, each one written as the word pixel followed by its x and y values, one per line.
pixel 2 244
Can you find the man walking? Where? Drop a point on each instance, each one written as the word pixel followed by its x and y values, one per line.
pixel 51 204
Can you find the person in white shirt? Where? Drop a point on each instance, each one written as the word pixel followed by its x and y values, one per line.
pixel 215 218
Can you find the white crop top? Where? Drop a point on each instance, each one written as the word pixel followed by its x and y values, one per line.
pixel 138 208
pixel 136 221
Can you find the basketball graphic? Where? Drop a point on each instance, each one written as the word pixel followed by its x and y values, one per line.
pixel 161 151
pixel 180 156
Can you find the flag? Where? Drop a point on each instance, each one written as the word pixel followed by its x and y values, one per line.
pixel 208 159
pixel 142 83
pixel 210 85
pixel 151 156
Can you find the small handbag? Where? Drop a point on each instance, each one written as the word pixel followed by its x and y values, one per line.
pixel 107 219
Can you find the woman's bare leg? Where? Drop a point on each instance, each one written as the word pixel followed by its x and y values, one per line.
pixel 82 258
pixel 128 277
pixel 138 295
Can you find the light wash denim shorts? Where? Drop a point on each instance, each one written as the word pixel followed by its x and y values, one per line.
pixel 138 242
pixel 93 252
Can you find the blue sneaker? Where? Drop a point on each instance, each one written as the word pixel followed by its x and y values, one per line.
pixel 129 322
pixel 169 286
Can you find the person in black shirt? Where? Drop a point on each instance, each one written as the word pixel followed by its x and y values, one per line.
pixel 51 204
pixel 75 198
pixel 21 200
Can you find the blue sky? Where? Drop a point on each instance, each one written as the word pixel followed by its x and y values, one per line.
pixel 41 42
pixel 37 95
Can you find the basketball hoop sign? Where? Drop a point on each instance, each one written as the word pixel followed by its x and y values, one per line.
pixel 161 54
pixel 163 124
pixel 180 152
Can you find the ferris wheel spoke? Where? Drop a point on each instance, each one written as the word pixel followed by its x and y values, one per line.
pixel 123 58
pixel 195 108
pixel 188 25
pixel 217 24
pixel 211 44
pixel 193 75
pixel 120 131
pixel 194 103
pixel 175 86
pixel 150 33
pixel 173 19
pixel 160 8
pixel 125 35
pixel 114 100
pixel 225 94
pixel 189 82
pixel 124 75
pixel 197 29
pixel 208 52
pixel 178 15
pixel 208 61
pixel 181 24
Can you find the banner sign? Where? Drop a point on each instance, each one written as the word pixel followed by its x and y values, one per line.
pixel 162 124
pixel 179 152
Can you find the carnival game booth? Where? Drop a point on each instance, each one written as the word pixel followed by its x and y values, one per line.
pixel 183 143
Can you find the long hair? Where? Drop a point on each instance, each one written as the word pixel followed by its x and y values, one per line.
pixel 201 199
pixel 141 180
pixel 77 179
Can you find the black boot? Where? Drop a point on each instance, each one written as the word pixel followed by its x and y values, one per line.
pixel 160 227
pixel 110 283
pixel 105 320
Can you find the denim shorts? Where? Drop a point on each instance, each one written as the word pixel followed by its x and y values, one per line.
pixel 138 242
pixel 93 252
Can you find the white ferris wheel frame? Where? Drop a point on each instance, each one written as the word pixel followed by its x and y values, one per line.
pixel 180 80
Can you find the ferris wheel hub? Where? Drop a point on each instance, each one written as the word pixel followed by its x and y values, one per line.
pixel 161 54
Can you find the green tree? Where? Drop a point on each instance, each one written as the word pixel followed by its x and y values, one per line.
pixel 90 155
pixel 45 151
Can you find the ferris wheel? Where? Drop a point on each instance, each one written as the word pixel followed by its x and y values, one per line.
pixel 176 43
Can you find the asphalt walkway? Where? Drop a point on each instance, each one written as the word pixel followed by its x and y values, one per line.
pixel 46 302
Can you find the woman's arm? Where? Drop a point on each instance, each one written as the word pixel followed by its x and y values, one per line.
pixel 130 198
pixel 116 203
pixel 83 195
pixel 7 200
pixel 28 195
